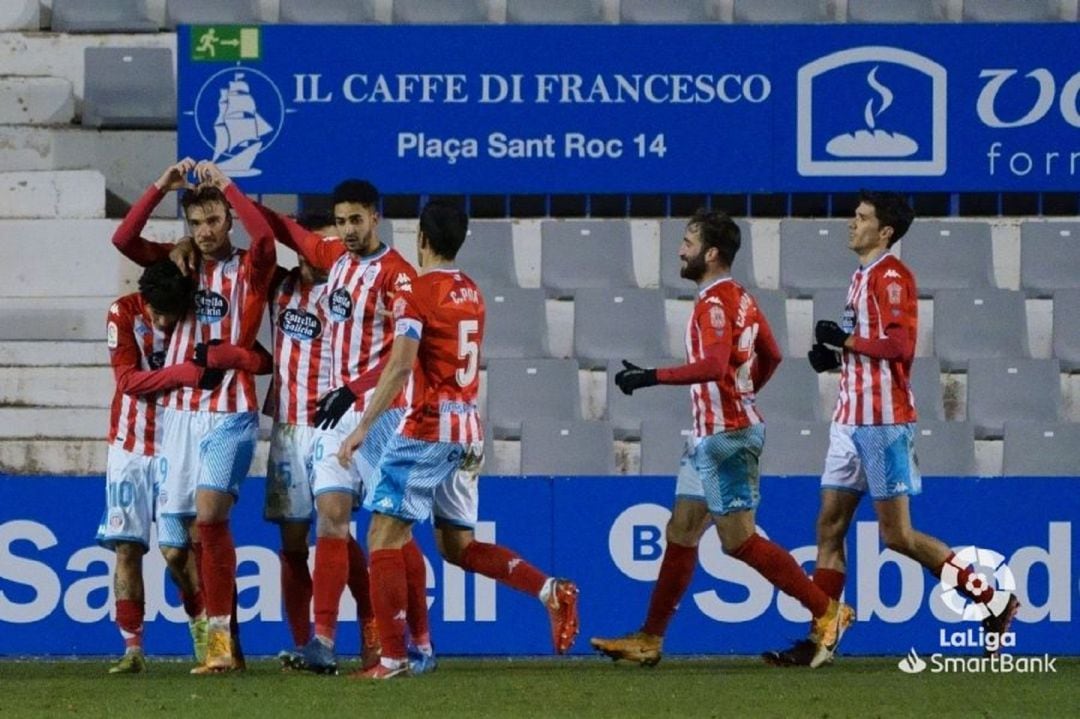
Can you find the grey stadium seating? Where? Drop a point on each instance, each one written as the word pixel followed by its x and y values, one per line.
pixel 791 394
pixel 667 404
pixel 1067 329
pixel 671 234
pixel 650 12
pixel 488 254
pixel 979 323
pixel 949 255
pixel 829 305
pixel 814 255
pixel 662 445
pixel 1003 390
pixel 1049 257
pixel 780 11
pixel 528 388
pixel 442 12
pixel 1041 449
pixel 516 324
pixel 794 448
pixel 554 11
pixel 102 16
pixel 896 11
pixel 328 12
pixel 773 304
pixel 567 447
pixel 614 323
pixel 1010 11
pixel 945 449
pixel 211 12
pixel 129 87
pixel 575 254
pixel 926 386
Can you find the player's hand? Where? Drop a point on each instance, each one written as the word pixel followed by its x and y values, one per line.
pixel 632 377
pixel 332 406
pixel 202 353
pixel 211 378
pixel 828 333
pixel 823 359
pixel 175 176
pixel 210 174
pixel 185 256
pixel 350 445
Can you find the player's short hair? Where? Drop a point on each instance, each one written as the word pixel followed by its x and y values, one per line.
pixel 203 195
pixel 719 231
pixel 892 210
pixel 445 227
pixel 314 220
pixel 165 289
pixel 361 192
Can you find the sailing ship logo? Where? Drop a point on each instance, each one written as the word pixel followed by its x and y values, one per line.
pixel 239 113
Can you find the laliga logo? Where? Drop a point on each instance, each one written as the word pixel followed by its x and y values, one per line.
pixel 239 113
pixel 912 663
pixel 878 148
pixel 977 584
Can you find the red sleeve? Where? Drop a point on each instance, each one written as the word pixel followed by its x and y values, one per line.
pixel 713 326
pixel 262 255
pixel 229 356
pixel 125 358
pixel 898 303
pixel 767 355
pixel 313 247
pixel 369 378
pixel 127 239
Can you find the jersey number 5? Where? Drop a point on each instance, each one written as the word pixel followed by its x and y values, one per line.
pixel 468 350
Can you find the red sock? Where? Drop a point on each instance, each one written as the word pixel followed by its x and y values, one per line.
pixel 778 566
pixel 416 580
pixel 359 586
pixel 193 603
pixel 830 581
pixel 676 571
pixel 218 567
pixel 331 574
pixel 296 594
pixel 981 591
pixel 129 618
pixel 390 595
pixel 503 565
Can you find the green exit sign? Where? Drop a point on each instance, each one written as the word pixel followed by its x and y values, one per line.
pixel 225 42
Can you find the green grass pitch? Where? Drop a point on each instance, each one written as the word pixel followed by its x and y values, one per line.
pixel 698 687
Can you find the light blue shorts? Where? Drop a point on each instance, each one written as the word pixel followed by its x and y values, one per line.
pixel 878 458
pixel 132 483
pixel 723 469
pixel 410 473
pixel 290 473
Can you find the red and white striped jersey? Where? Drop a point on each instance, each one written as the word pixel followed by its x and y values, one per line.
pixel 360 294
pixel 302 350
pixel 134 342
pixel 444 311
pixel 878 391
pixel 725 312
pixel 229 303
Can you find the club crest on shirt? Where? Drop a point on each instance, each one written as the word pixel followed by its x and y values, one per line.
pixel 370 274
pixel 895 292
pixel 341 304
pixel 399 308
pixel 302 326
pixel 210 307
pixel 847 321
pixel 716 318
pixel 112 335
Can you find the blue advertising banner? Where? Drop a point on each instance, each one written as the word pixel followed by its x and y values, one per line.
pixel 606 534
pixel 635 109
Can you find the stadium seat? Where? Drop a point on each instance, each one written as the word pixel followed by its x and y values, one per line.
pixel 328 12
pixel 1049 257
pixel 488 254
pixel 493 465
pixel 948 255
pixel 516 324
pixel 567 447
pixel 671 234
pixel 1010 11
pixel 814 255
pixel 773 303
pixel 887 11
pixel 926 386
pixel 650 12
pixel 791 394
pixel 945 449
pixel 129 87
pixel 829 305
pixel 1041 449
pixel 794 448
pixel 662 445
pixel 519 389
pixel 666 404
pixel 614 323
pixel 1067 329
pixel 538 12
pixel 575 254
pixel 20 15
pixel 978 323
pixel 445 11
pixel 102 16
pixel 1003 390
pixel 211 12
pixel 780 11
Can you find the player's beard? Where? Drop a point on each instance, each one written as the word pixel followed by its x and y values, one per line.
pixel 359 245
pixel 694 269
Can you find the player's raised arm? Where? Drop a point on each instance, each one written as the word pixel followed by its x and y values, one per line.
pixel 312 246
pixel 127 236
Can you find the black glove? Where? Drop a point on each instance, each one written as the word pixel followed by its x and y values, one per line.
pixel 823 359
pixel 332 405
pixel 827 332
pixel 634 377
pixel 201 352
pixel 211 378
